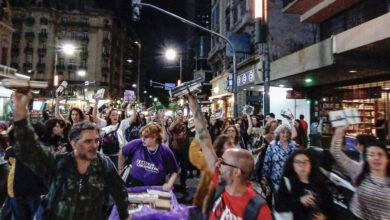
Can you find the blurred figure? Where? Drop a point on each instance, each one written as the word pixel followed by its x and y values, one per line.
pixel 371 177
pixel 380 126
pixel 302 190
pixel 301 138
pixel 303 122
pixel 315 132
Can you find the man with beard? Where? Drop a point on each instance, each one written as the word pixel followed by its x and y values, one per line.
pixel 235 197
pixel 77 181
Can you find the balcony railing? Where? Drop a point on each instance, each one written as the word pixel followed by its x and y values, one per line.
pixel 106 42
pixel 71 67
pixel 27 65
pixel 42 51
pixel 15 65
pixel 84 38
pixel 29 36
pixel 106 54
pixel 105 70
pixel 44 21
pixel 41 67
pixel 84 54
pixel 42 36
pixel 60 67
pixel 15 51
pixel 30 21
pixel 75 23
pixel 28 50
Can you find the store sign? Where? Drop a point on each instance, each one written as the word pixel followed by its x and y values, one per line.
pixel 291 94
pixel 246 78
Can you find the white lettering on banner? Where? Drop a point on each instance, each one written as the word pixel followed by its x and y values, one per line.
pixel 226 214
pixel 245 78
pixel 147 166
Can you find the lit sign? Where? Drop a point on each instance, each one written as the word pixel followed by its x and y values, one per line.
pixel 245 78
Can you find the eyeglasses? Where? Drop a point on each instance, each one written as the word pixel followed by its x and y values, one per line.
pixel 221 161
pixel 299 162
pixel 372 154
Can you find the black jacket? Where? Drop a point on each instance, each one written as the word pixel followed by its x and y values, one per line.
pixel 287 201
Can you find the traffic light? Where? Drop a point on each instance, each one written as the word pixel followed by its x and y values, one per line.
pixel 135 6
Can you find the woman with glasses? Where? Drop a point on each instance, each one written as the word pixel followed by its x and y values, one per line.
pixel 151 161
pixel 371 178
pixel 233 132
pixel 302 190
pixel 276 155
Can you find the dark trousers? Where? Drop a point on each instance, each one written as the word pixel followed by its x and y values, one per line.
pixel 4 170
pixel 24 207
pixel 182 159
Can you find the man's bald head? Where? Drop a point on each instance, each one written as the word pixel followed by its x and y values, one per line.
pixel 240 158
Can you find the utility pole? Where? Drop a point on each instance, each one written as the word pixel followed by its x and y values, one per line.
pixel 261 39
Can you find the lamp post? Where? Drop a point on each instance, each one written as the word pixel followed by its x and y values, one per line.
pixel 138 43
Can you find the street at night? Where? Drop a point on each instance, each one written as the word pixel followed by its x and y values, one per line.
pixel 194 109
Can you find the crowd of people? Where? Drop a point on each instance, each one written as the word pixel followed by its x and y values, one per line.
pixel 251 167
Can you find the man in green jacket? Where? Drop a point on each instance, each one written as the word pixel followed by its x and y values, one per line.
pixel 77 181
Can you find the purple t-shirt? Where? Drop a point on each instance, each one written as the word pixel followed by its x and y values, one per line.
pixel 150 168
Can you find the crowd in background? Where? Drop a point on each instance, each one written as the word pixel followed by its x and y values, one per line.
pixel 158 149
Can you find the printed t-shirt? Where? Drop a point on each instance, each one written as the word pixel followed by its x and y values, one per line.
pixel 150 167
pixel 228 207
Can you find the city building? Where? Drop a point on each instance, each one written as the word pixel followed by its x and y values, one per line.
pixel 348 67
pixel 234 19
pixel 97 34
pixel 6 72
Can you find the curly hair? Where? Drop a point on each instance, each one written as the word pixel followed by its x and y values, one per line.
pixel 315 173
pixel 268 126
pixel 280 129
pixel 82 116
pixel 108 119
pixel 152 129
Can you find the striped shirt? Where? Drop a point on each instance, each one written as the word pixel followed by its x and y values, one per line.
pixel 372 197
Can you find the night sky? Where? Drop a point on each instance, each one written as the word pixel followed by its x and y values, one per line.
pixel 158 31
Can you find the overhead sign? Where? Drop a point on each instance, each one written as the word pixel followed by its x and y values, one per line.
pixel 291 94
pixel 246 78
pixel 168 86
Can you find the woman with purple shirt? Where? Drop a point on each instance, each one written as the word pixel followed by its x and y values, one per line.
pixel 151 161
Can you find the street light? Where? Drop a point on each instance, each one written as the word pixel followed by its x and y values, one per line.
pixel 171 55
pixel 134 85
pixel 67 49
pixel 81 73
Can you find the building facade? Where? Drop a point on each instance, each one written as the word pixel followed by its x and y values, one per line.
pixel 234 19
pixel 348 67
pixel 6 72
pixel 98 61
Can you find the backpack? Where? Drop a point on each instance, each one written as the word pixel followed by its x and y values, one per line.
pixel 132 132
pixel 251 210
pixel 110 143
